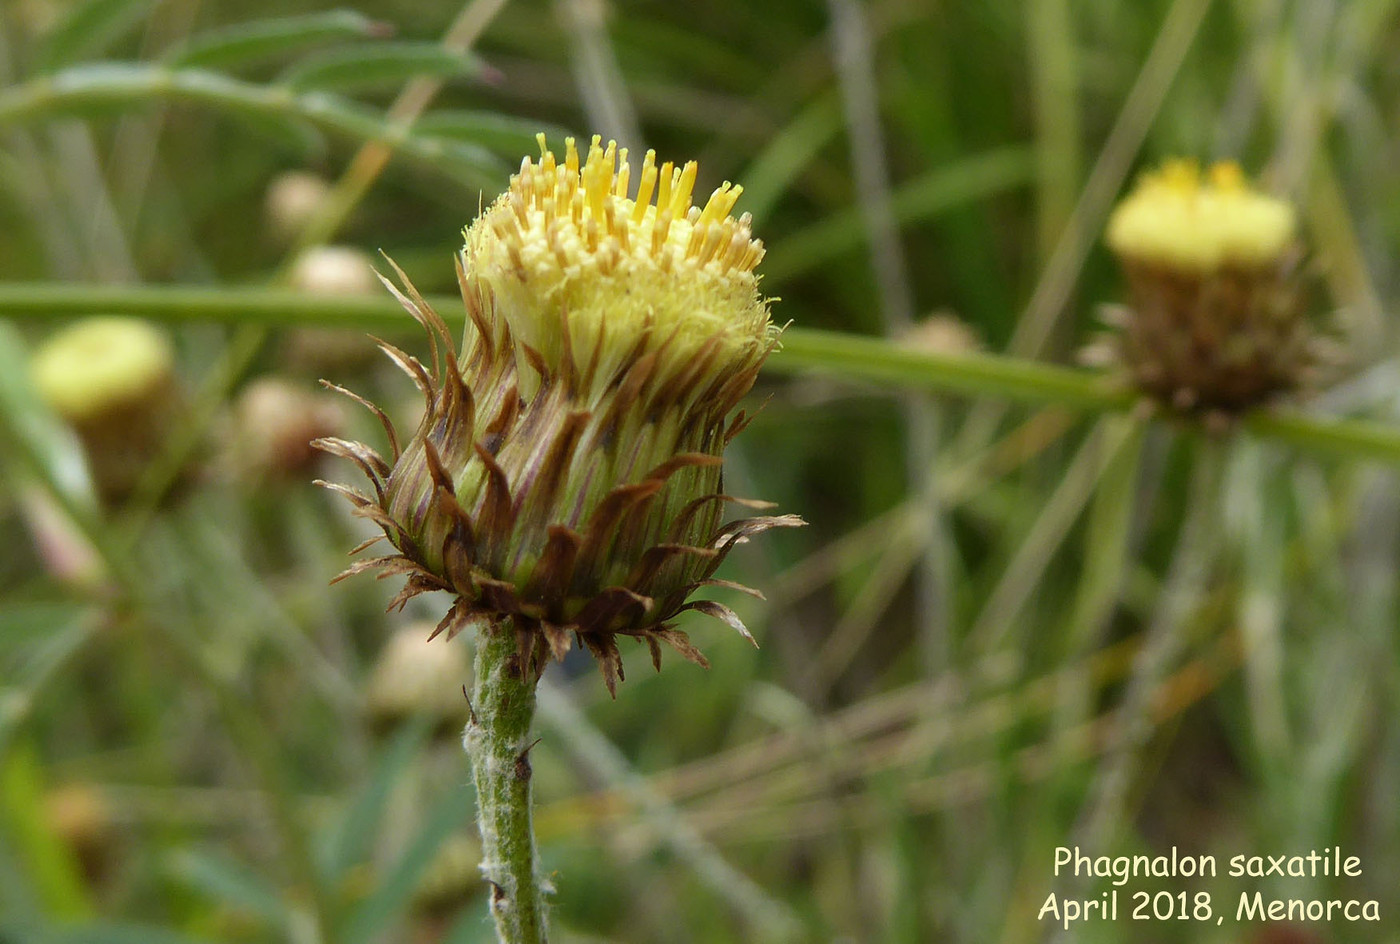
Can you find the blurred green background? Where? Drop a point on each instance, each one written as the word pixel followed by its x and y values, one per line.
pixel 1009 627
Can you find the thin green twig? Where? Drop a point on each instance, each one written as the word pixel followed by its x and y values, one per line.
pixel 845 357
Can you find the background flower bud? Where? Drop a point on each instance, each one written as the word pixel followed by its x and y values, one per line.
pixel 274 423
pixel 333 270
pixel 1216 318
pixel 410 679
pixel 113 379
pixel 293 200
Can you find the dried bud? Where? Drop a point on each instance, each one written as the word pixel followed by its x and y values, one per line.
pixel 114 380
pixel 274 423
pixel 566 474
pixel 410 678
pixel 80 815
pixel 1216 320
pixel 293 200
pixel 942 333
pixel 333 270
pixel 329 270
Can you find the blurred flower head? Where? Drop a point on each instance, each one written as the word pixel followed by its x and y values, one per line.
pixel 294 199
pixel 1188 221
pixel 113 380
pixel 274 424
pixel 1215 321
pixel 333 270
pixel 100 365
pixel 411 678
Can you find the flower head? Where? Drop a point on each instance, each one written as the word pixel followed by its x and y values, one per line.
pixel 113 380
pixel 580 270
pixel 1216 317
pixel 566 474
pixel 1182 219
pixel 101 365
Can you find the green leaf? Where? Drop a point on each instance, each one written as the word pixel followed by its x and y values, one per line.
pixel 395 893
pixel 91 28
pixel 26 623
pixel 245 43
pixel 110 84
pixel 104 934
pixel 46 859
pixel 38 640
pixel 231 883
pixel 502 133
pixel 349 843
pixel 954 185
pixel 373 64
pixel 287 133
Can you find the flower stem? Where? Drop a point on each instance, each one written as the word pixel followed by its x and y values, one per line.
pixel 497 741
pixel 842 356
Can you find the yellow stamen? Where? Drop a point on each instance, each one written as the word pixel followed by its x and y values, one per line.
pixel 668 180
pixel 680 201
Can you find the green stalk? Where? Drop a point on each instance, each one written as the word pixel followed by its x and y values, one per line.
pixel 498 742
pixel 838 355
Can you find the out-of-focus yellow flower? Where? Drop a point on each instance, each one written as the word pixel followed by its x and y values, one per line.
pixel 1182 219
pixel 99 365
pixel 1216 319
pixel 113 379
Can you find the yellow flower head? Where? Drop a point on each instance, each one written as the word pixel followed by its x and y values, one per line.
pixel 1216 323
pixel 566 477
pixel 1180 219
pixel 113 380
pixel 101 364
pixel 580 267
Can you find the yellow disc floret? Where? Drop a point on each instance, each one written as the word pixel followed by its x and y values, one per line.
pixel 1181 219
pixel 101 364
pixel 581 265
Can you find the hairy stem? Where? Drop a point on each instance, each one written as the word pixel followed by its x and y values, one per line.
pixel 497 741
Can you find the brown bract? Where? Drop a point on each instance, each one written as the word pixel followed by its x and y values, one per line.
pixel 568 522
pixel 1227 340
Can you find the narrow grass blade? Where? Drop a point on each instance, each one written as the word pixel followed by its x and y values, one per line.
pixel 231 884
pixel 503 133
pixel 348 844
pixel 395 892
pixel 958 184
pixel 377 64
pixel 90 29
pixel 245 43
